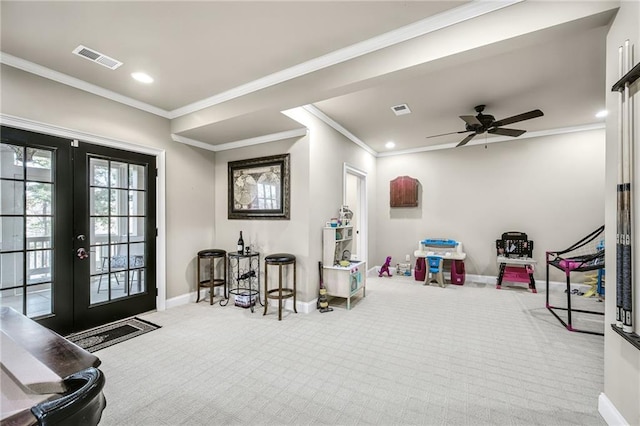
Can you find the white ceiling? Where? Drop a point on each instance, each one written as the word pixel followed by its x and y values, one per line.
pixel 224 70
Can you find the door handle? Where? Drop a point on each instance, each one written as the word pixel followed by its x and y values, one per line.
pixel 81 253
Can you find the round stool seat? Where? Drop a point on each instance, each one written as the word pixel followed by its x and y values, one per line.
pixel 212 253
pixel 278 258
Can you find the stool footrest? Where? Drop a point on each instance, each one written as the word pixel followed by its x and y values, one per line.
pixel 286 293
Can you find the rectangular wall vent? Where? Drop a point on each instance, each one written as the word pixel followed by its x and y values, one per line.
pixel 96 57
pixel 401 109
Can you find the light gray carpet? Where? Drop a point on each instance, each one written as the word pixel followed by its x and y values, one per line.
pixel 405 354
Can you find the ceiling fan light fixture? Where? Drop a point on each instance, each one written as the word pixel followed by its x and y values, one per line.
pixel 142 77
pixel 485 123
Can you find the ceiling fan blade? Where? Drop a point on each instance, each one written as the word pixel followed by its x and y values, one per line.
pixel 450 133
pixel 520 117
pixel 506 132
pixel 471 120
pixel 465 140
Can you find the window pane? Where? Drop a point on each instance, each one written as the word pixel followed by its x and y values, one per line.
pixel 99 201
pixel 138 282
pixel 11 197
pixel 39 231
pixel 119 202
pixel 99 230
pixel 39 164
pixel 119 250
pixel 99 288
pixel 39 266
pixel 119 175
pixel 39 199
pixel 137 177
pixel 99 172
pixel 137 203
pixel 11 270
pixel 120 261
pixel 137 250
pixel 118 229
pixel 136 229
pixel 119 286
pixel 12 237
pixel 39 300
pixel 12 298
pixel 11 161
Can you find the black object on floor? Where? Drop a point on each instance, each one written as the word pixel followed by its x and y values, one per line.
pixel 110 334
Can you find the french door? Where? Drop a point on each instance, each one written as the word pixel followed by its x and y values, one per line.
pixel 78 230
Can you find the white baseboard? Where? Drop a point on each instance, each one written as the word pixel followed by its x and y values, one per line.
pixel 609 412
pixel 306 307
pixel 180 300
pixel 491 280
pixel 302 307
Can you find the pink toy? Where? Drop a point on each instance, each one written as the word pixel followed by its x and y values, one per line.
pixel 385 267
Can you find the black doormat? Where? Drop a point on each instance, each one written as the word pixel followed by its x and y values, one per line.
pixel 110 334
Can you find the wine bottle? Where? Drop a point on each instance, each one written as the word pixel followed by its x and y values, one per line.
pixel 240 244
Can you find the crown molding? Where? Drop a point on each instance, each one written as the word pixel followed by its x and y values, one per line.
pixel 338 127
pixel 192 142
pixel 528 135
pixel 433 23
pixel 273 137
pixel 36 69
pixel 63 132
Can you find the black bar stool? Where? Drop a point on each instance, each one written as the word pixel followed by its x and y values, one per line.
pixel 211 255
pixel 280 293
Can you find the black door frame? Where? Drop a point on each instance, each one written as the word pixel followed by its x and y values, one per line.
pixel 62 295
pixel 64 139
pixel 85 314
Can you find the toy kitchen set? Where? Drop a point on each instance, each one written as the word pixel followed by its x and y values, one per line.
pixel 448 250
pixel 343 276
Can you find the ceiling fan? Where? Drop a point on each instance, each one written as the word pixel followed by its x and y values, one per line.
pixel 481 123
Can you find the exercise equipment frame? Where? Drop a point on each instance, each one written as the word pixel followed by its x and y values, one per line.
pixel 581 263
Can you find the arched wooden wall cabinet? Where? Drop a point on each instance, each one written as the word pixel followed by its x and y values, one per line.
pixel 404 192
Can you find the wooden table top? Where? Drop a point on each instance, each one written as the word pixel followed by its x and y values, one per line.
pixel 49 348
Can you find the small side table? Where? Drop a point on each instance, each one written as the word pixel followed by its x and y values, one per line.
pixel 517 269
pixel 244 270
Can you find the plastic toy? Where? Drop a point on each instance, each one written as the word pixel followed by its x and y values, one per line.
pixel 385 267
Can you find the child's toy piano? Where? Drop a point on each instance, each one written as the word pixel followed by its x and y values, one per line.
pixel 446 248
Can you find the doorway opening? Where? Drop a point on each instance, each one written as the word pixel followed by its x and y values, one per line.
pixel 355 197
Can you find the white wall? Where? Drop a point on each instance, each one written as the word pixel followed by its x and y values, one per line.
pixel 621 359
pixel 552 188
pixel 270 236
pixel 329 151
pixel 316 195
pixel 189 171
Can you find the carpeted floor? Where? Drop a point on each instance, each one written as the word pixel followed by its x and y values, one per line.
pixel 405 354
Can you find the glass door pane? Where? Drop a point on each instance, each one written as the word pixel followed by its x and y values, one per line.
pixel 117 197
pixel 27 228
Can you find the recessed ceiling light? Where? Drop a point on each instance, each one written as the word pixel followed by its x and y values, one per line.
pixel 389 145
pixel 603 113
pixel 142 77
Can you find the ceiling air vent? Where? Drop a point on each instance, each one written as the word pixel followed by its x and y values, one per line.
pixel 96 57
pixel 401 109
